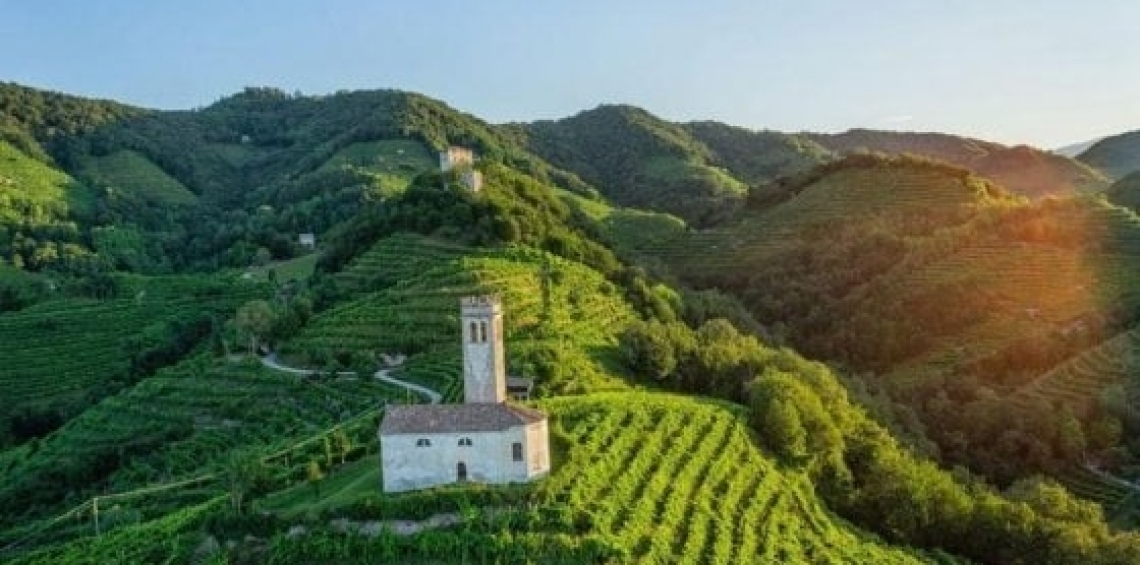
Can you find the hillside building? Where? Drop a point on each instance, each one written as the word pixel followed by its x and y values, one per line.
pixel 486 439
pixel 462 160
pixel 456 158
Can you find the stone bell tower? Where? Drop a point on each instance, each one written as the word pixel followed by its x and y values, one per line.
pixel 484 362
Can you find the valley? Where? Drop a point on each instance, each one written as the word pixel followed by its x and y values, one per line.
pixel 753 346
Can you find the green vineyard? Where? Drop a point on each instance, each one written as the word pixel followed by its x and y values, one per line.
pixel 680 479
pixel 638 478
pixel 60 351
pixel 566 339
pixel 132 174
pixel 857 194
pixel 185 422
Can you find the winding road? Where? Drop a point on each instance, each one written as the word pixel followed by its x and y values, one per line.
pixel 273 362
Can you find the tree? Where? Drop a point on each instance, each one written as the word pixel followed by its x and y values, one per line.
pixel 342 444
pixel 243 472
pixel 314 474
pixel 255 319
pixel 784 431
pixel 648 350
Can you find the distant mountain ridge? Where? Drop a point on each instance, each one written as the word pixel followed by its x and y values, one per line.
pixel 1116 155
pixel 1072 150
pixel 698 171
pixel 1021 169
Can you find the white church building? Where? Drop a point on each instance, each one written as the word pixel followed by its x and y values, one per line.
pixel 486 439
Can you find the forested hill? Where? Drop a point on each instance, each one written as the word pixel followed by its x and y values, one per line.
pixel 1021 169
pixel 699 172
pixel 997 328
pixel 1117 155
pixel 224 185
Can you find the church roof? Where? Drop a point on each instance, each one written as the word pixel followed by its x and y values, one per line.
pixel 451 418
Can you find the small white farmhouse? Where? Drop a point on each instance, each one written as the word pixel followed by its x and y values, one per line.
pixel 485 439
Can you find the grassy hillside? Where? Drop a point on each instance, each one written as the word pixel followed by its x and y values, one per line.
pixel 1023 170
pixel 1116 156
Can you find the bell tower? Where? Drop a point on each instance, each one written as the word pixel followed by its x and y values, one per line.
pixel 484 362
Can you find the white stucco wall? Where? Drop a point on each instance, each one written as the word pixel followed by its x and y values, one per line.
pixel 489 459
pixel 537 450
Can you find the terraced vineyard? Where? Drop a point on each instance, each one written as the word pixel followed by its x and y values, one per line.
pixel 630 230
pixel 183 422
pixel 399 257
pixel 676 479
pixel 58 351
pixel 1082 379
pixel 133 174
pixel 850 195
pixel 419 313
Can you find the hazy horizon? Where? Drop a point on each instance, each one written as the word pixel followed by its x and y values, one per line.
pixel 1050 76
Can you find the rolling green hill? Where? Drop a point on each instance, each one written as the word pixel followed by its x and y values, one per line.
pixel 991 332
pixel 562 324
pixel 1126 192
pixel 758 157
pixel 1023 170
pixel 941 287
pixel 1117 155
pixel 636 159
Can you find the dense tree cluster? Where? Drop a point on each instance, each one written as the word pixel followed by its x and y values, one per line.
pixel 511 208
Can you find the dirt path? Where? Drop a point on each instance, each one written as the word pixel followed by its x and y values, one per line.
pixel 273 362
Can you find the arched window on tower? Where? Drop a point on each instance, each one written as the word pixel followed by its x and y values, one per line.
pixel 474 337
pixel 483 332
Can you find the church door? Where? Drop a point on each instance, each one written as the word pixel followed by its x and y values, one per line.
pixel 461 472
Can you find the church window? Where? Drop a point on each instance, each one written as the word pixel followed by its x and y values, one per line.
pixel 474 336
pixel 423 442
pixel 483 332
pixel 516 451
pixel 465 442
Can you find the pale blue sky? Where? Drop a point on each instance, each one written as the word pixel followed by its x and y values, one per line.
pixel 1043 72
